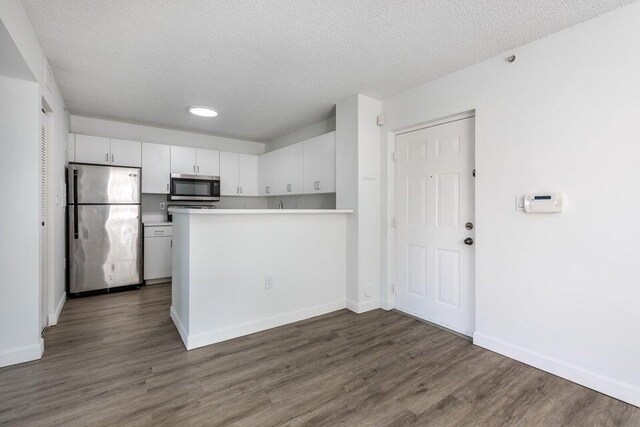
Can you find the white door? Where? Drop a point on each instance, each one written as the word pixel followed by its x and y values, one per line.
pixel 229 185
pixel 327 163
pixel 208 162
pixel 126 153
pixel 93 149
pixel 44 241
pixel 434 202
pixel 248 174
pixel 183 160
pixel 268 174
pixel 156 168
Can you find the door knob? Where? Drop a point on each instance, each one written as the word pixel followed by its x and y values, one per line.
pixel 468 241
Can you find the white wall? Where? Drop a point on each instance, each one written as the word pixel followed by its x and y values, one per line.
pixel 560 292
pixel 358 188
pixel 226 293
pixel 19 273
pixel 135 132
pixel 18 27
pixel 308 132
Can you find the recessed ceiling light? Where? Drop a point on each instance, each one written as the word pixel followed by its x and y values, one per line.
pixel 202 111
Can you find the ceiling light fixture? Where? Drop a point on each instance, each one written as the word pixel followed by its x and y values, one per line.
pixel 198 110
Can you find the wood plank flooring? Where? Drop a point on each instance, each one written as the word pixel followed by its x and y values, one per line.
pixel 117 360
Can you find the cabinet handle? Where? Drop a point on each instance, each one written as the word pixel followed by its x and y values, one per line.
pixel 167 187
pixel 289 188
pixel 237 190
pixel 194 168
pixel 112 158
pixel 107 158
pixel 198 168
pixel 266 189
pixel 318 185
pixel 171 244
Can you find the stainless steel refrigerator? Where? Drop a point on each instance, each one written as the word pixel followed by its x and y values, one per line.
pixel 105 229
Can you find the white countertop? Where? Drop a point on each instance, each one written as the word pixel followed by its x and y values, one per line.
pixel 156 223
pixel 257 211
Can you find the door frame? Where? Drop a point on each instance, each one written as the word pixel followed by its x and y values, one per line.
pixel 391 235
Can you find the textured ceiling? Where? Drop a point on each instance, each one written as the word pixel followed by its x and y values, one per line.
pixel 272 66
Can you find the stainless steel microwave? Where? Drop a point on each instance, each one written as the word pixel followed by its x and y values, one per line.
pixel 197 188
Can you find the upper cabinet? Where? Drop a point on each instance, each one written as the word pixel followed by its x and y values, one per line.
pixel 126 153
pixel 238 174
pixel 93 149
pixel 195 161
pixel 183 160
pixel 268 174
pixel 107 151
pixel 207 162
pixel 290 169
pixel 319 156
pixel 156 168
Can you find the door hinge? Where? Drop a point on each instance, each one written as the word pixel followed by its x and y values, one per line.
pixel 474 173
pixel 380 120
pixel 394 222
pixel 395 156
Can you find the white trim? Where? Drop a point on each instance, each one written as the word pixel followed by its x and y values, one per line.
pixel 179 326
pixel 620 390
pixel 22 354
pixel 361 307
pixel 53 318
pixel 223 334
pixel 441 121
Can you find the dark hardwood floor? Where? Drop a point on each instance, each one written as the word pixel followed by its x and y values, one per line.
pixel 118 360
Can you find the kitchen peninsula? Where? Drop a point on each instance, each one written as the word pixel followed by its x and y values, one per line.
pixel 240 271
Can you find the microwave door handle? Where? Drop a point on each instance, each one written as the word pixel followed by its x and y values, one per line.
pixel 75 204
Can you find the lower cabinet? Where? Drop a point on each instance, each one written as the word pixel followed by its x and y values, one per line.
pixel 157 252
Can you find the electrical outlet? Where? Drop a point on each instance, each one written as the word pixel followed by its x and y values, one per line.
pixel 268 282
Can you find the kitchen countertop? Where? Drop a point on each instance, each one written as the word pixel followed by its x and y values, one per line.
pixel 257 211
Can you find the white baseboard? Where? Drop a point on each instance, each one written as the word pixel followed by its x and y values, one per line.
pixel 22 354
pixel 361 307
pixel 53 318
pixel 223 334
pixel 609 386
pixel 179 326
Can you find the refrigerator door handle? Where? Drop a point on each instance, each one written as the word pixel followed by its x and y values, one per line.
pixel 75 204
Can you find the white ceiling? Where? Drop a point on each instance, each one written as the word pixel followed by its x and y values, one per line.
pixel 272 66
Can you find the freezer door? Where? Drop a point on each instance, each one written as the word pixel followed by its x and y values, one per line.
pixel 89 184
pixel 106 250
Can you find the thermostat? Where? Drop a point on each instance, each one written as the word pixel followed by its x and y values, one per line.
pixel 543 203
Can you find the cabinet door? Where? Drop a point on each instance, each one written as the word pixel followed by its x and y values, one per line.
pixel 156 168
pixel 248 174
pixel 183 160
pixel 310 165
pixel 284 170
pixel 157 257
pixel 326 151
pixel 296 165
pixel 71 147
pixel 93 149
pixel 126 153
pixel 268 174
pixel 208 162
pixel 229 185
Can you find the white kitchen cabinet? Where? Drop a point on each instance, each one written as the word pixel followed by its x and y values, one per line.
pixel 183 160
pixel 157 252
pixel 207 162
pixel 71 147
pixel 229 184
pixel 319 156
pixel 290 169
pixel 126 153
pixel 156 168
pixel 248 174
pixel 238 174
pixel 93 149
pixel 268 174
